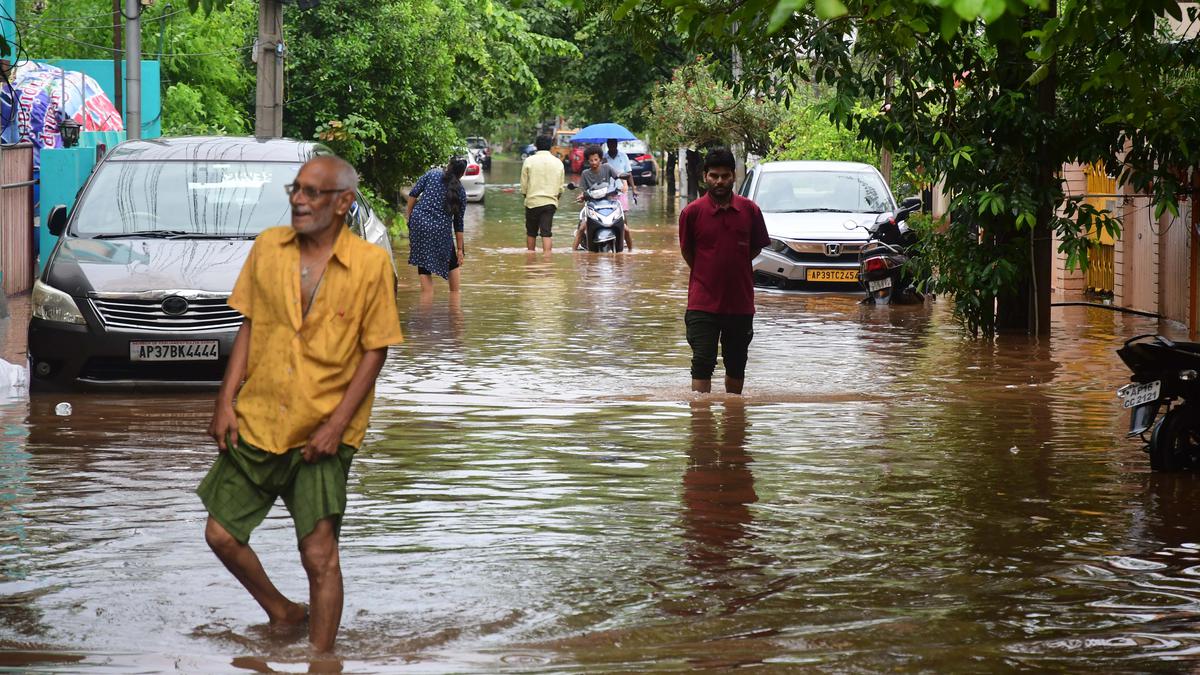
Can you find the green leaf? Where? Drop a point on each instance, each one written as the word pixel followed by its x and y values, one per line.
pixel 968 10
pixel 1038 75
pixel 625 8
pixel 992 10
pixel 830 9
pixel 784 10
pixel 950 23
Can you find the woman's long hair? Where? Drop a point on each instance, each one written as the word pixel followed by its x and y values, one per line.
pixel 450 178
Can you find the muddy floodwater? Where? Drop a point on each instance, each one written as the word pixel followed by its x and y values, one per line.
pixel 539 492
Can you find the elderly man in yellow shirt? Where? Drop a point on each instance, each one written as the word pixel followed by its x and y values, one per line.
pixel 542 177
pixel 320 312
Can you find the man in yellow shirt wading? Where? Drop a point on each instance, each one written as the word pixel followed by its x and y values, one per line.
pixel 542 177
pixel 320 312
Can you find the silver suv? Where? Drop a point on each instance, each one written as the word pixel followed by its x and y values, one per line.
pixel 134 292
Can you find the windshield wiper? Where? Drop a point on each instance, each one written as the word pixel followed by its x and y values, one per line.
pixel 217 235
pixel 141 234
pixel 173 234
pixel 811 211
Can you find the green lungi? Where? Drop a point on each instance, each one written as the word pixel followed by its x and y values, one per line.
pixel 244 482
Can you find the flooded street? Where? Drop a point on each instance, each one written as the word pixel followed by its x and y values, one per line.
pixel 539 492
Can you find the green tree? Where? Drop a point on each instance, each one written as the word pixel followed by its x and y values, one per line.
pixel 615 71
pixel 495 65
pixel 695 109
pixel 806 132
pixel 992 97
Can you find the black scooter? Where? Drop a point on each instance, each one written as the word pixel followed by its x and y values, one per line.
pixel 881 261
pixel 1165 373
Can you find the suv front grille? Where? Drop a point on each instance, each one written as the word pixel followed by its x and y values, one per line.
pixel 203 314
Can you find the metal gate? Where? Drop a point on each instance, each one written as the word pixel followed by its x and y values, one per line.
pixel 16 217
pixel 1101 273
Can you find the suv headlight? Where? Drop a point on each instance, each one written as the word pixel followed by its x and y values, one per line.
pixel 51 304
pixel 777 246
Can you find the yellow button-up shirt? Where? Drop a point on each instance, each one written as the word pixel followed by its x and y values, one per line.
pixel 542 178
pixel 300 366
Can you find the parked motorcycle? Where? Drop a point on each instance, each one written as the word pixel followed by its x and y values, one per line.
pixel 881 260
pixel 604 218
pixel 1165 373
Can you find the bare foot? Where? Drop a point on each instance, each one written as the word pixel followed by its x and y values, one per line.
pixel 295 615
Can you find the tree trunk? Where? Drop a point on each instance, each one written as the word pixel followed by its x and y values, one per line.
pixel 672 164
pixel 1026 308
pixel 1048 166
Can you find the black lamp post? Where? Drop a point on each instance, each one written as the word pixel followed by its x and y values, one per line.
pixel 69 129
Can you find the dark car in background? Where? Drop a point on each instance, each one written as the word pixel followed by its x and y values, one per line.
pixel 479 146
pixel 641 162
pixel 135 291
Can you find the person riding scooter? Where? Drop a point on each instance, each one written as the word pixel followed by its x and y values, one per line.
pixel 596 173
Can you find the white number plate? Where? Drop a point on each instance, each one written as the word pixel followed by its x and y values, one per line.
pixel 1137 394
pixel 175 350
pixel 879 284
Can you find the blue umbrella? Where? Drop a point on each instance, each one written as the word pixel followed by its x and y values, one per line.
pixel 598 133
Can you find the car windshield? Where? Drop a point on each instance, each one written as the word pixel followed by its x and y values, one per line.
pixel 632 147
pixel 476 143
pixel 815 191
pixel 186 198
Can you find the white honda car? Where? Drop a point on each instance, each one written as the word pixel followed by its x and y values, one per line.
pixel 473 181
pixel 807 206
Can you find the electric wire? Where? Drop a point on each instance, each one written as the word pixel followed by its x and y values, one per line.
pixel 114 51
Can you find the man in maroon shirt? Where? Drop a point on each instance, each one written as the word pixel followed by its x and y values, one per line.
pixel 720 234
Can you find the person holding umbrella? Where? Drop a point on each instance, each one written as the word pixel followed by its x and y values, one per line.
pixel 611 134
pixel 619 161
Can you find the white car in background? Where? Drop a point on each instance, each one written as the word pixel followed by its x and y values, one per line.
pixel 807 206
pixel 473 181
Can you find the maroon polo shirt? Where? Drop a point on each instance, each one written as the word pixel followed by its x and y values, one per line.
pixel 723 242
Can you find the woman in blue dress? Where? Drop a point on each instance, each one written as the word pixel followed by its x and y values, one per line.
pixel 436 206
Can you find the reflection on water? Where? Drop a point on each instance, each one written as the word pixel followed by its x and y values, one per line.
pixel 539 492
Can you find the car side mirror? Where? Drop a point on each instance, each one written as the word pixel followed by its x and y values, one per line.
pixel 57 220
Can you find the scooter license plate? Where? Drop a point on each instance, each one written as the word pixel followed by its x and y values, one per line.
pixel 879 284
pixel 1132 395
pixel 1142 417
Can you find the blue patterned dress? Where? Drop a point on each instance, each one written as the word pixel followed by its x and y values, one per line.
pixel 431 230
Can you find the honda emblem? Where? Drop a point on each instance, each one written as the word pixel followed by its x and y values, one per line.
pixel 833 250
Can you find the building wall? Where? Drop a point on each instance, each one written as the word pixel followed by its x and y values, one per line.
pixel 1137 261
pixel 1175 259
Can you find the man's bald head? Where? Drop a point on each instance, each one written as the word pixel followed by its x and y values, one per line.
pixel 343 173
pixel 322 195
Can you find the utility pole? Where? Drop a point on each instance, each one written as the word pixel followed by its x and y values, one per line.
pixel 268 52
pixel 117 48
pixel 133 69
pixel 739 148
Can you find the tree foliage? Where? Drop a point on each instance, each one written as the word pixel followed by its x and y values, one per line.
pixel 992 97
pixel 696 109
pixel 806 132
pixel 613 71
